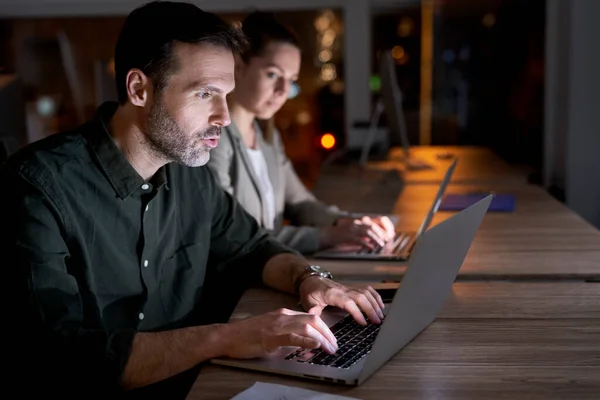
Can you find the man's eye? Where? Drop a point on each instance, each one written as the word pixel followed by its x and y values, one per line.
pixel 271 75
pixel 204 95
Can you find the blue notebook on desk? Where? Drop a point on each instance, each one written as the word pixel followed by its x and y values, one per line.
pixel 503 202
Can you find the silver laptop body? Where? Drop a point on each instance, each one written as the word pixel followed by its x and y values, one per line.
pixel 401 247
pixel 432 269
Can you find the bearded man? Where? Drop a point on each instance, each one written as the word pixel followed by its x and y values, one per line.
pixel 119 253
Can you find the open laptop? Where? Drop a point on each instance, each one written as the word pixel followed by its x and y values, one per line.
pixel 433 267
pixel 398 249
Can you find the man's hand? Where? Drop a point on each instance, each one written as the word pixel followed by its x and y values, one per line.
pixel 365 231
pixel 316 293
pixel 259 336
pixel 264 334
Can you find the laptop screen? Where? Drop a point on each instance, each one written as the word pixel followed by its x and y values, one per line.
pixel 438 199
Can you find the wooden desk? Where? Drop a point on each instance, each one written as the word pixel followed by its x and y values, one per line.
pixel 514 343
pixel 374 188
pixel 476 164
pixel 542 238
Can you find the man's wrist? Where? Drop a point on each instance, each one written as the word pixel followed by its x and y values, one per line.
pixel 308 272
pixel 298 277
pixel 221 337
pixel 308 279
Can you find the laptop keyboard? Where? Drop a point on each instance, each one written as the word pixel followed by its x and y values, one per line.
pixel 392 247
pixel 354 342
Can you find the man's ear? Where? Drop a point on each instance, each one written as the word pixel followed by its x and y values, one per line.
pixel 139 87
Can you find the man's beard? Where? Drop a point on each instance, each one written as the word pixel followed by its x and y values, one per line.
pixel 169 142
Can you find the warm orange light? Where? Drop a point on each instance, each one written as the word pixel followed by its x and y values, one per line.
pixel 397 52
pixel 327 141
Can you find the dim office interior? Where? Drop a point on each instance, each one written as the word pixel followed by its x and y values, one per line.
pixel 390 93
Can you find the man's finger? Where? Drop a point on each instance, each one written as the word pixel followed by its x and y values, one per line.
pixel 325 331
pixel 346 303
pixel 374 303
pixel 317 329
pixel 316 310
pixel 372 310
pixel 294 339
pixel 377 297
pixel 287 311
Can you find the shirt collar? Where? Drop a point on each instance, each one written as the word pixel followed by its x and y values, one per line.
pixel 117 169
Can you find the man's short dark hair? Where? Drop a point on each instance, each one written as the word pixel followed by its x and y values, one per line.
pixel 149 34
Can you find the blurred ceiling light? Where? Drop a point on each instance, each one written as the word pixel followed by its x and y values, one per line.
pixel 489 20
pixel 404 60
pixel 328 38
pixel 325 55
pixel 294 90
pixel 322 23
pixel 303 118
pixel 405 27
pixel 397 52
pixel 328 72
pixel 46 106
pixel 449 56
pixel 110 67
pixel 337 87
pixel 330 15
pixel 327 141
pixel 375 83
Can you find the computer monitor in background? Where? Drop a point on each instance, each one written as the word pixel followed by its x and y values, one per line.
pixel 390 102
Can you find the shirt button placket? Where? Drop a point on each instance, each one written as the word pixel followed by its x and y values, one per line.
pixel 145 263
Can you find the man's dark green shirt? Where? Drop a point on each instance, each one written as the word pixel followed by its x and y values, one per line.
pixel 92 254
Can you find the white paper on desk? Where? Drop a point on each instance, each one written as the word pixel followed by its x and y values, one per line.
pixel 271 391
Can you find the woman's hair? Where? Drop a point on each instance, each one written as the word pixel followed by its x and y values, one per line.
pixel 262 28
